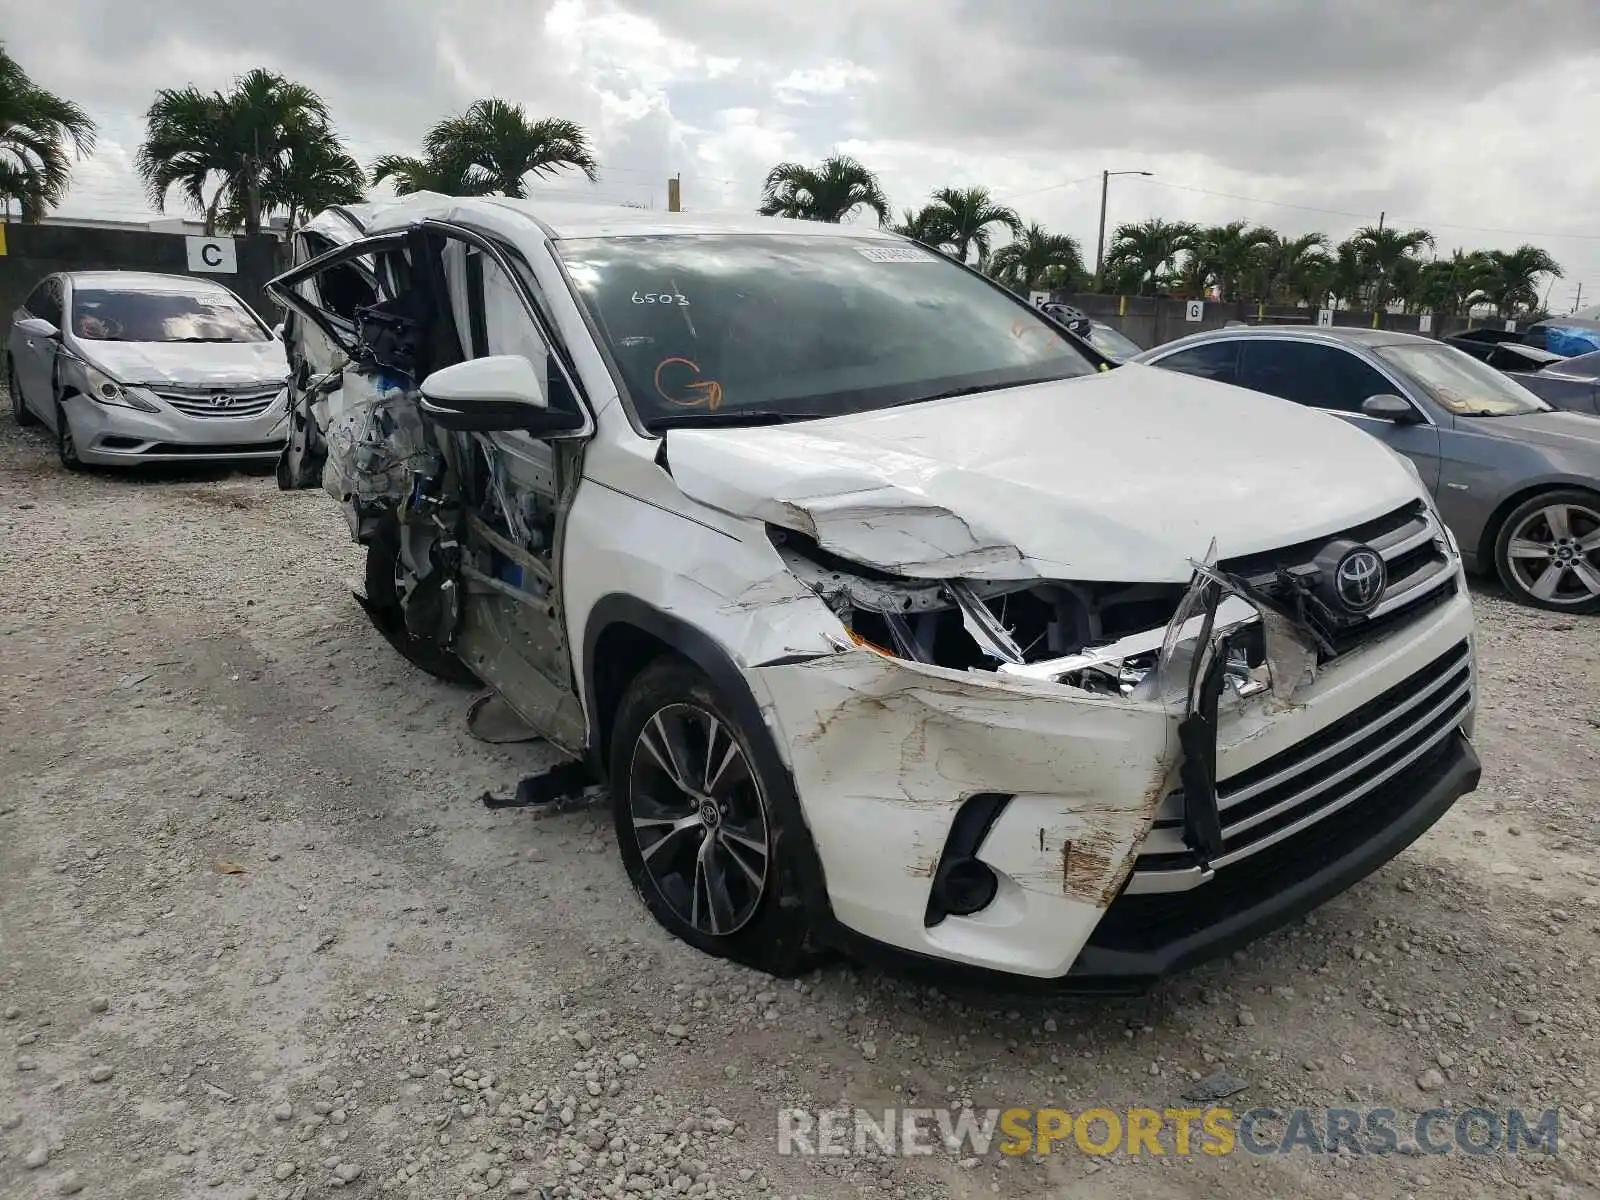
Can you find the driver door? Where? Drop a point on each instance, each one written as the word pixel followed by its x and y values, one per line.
pixel 34 357
pixel 515 637
pixel 516 488
pixel 1338 381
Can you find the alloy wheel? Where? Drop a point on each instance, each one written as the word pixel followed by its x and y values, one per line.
pixel 699 819
pixel 1554 552
pixel 19 410
pixel 66 446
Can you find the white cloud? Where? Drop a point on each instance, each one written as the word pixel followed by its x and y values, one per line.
pixel 1416 111
pixel 830 81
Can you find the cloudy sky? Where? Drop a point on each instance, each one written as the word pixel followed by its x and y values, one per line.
pixel 1473 118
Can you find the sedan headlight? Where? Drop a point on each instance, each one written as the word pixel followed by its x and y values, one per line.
pixel 103 389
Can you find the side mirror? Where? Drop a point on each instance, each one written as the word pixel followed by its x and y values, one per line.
pixel 37 327
pixel 277 331
pixel 1391 408
pixel 485 395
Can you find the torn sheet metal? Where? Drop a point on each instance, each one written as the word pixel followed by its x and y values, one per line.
pixel 375 443
pixel 981 624
pixel 885 752
pixel 1292 644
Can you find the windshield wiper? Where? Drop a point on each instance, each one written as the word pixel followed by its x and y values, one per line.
pixel 973 389
pixel 729 416
pixel 200 339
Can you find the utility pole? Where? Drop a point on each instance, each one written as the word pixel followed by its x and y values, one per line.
pixel 1577 301
pixel 1100 244
pixel 675 194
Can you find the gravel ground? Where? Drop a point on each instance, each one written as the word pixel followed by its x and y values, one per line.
pixel 258 938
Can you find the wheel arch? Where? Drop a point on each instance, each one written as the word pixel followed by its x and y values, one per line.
pixel 622 636
pixel 1508 505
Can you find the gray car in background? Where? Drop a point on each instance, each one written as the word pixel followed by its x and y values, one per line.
pixel 126 367
pixel 1569 383
pixel 1516 482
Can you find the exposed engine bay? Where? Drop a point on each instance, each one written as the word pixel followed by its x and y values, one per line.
pixel 1104 638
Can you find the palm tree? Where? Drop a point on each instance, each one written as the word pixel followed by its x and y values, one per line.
pixel 1221 256
pixel 1510 279
pixel 830 191
pixel 1280 264
pixel 1312 280
pixel 36 129
pixel 923 225
pixel 412 174
pixel 1348 282
pixel 1381 252
pixel 966 215
pixel 1035 255
pixel 1451 286
pixel 250 137
pixel 497 137
pixel 317 175
pixel 1143 251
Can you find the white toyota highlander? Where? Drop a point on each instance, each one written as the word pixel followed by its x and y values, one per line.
pixel 894 618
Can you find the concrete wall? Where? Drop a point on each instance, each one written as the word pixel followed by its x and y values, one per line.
pixel 1150 321
pixel 34 251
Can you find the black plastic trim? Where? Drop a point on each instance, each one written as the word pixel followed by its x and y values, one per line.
pixel 973 821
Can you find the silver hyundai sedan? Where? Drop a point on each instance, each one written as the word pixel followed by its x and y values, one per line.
pixel 125 367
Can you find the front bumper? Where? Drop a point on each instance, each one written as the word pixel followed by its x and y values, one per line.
pixel 1144 937
pixel 112 435
pixel 886 754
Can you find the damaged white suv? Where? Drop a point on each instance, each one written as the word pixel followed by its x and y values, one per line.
pixel 892 616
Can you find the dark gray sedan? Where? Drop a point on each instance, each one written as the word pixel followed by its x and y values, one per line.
pixel 1569 383
pixel 1517 482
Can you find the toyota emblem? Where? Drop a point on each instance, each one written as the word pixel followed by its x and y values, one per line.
pixel 1359 579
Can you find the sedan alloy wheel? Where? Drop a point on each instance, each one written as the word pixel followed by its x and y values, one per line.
pixel 1550 551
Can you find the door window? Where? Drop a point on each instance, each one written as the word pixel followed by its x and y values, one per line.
pixel 1218 361
pixel 493 318
pixel 1316 376
pixel 46 301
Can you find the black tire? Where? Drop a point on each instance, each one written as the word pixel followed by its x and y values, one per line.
pixel 763 925
pixel 382 606
pixel 66 447
pixel 1552 561
pixel 19 408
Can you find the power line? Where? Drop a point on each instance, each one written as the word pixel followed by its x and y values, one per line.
pixel 1050 188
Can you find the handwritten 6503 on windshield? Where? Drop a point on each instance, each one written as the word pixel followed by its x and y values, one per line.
pixel 674 298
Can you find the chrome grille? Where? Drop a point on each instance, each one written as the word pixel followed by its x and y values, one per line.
pixel 1421 574
pixel 249 401
pixel 1314 779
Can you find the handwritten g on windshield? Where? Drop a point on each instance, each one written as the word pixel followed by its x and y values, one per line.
pixel 696 393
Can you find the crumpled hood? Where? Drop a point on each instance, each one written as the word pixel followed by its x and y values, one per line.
pixel 197 364
pixel 1123 476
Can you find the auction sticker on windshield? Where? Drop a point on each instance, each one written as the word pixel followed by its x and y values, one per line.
pixel 893 254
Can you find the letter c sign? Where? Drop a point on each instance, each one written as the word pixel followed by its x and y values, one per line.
pixel 212 256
